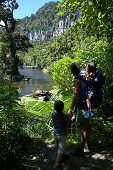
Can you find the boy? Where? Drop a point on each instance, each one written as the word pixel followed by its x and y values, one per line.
pixel 60 122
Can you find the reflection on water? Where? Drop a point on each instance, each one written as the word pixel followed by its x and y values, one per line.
pixel 39 80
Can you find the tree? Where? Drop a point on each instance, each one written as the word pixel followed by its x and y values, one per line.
pixel 95 16
pixel 12 40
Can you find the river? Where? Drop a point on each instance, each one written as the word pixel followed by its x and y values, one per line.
pixel 39 80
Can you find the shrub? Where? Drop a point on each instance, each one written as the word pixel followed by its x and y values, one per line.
pixel 13 119
pixel 62 74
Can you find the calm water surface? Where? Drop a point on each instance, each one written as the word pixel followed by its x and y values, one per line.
pixel 39 80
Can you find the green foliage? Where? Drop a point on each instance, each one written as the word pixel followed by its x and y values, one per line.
pixel 62 75
pixel 40 112
pixel 98 51
pixel 43 127
pixel 44 20
pixel 76 44
pixel 44 54
pixel 13 120
pixel 105 138
pixel 82 50
pixel 12 41
pixel 39 56
pixel 101 53
pixel 94 17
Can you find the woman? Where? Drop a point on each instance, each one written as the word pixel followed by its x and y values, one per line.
pixel 80 105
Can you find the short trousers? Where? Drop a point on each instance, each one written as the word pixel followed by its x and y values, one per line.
pixel 61 143
pixel 91 92
pixel 80 115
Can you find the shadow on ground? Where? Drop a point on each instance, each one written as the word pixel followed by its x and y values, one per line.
pixel 42 157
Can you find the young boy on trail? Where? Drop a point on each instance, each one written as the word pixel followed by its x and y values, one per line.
pixel 91 69
pixel 60 122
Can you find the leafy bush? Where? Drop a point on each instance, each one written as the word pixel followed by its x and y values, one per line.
pixel 103 140
pixel 101 53
pixel 13 119
pixel 41 113
pixel 62 74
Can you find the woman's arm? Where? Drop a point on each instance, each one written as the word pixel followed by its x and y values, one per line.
pixel 72 118
pixel 77 85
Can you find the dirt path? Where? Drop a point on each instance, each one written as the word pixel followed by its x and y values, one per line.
pixel 42 157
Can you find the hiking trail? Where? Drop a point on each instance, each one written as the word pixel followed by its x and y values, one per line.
pixel 42 157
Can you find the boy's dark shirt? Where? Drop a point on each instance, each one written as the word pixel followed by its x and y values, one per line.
pixel 60 129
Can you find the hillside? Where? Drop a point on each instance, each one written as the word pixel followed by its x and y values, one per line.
pixel 45 24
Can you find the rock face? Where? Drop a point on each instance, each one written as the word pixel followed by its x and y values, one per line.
pixel 40 35
pixel 45 24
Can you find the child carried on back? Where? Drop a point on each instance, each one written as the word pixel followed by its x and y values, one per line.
pixel 91 69
pixel 95 81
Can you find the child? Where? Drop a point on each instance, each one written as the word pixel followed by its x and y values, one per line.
pixel 60 122
pixel 91 69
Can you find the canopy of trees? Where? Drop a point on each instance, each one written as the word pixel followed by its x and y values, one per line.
pixel 95 16
pixel 11 40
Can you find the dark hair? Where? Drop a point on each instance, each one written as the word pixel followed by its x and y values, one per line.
pixel 59 106
pixel 91 67
pixel 75 68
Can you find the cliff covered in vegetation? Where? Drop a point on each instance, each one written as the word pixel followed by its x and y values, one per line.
pixel 45 24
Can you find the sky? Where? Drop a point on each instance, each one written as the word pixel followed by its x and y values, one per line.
pixel 28 7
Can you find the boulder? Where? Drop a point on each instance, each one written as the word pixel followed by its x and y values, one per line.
pixel 42 95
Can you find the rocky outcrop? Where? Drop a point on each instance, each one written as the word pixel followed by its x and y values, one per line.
pixel 42 95
pixel 45 24
pixel 40 35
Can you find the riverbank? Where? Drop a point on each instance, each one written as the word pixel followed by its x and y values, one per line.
pixel 34 79
pixel 35 67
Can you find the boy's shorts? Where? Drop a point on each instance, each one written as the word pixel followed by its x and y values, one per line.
pixel 61 143
pixel 80 115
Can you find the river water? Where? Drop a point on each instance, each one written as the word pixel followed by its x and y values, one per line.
pixel 39 80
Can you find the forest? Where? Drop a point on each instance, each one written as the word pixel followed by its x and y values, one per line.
pixel 25 119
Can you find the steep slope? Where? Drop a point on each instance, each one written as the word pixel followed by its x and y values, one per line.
pixel 45 24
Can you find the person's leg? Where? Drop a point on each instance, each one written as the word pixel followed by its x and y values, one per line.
pixel 58 158
pixel 89 112
pixel 61 148
pixel 88 103
pixel 88 134
pixel 85 132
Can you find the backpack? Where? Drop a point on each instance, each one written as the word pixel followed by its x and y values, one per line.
pixel 81 103
pixel 97 82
